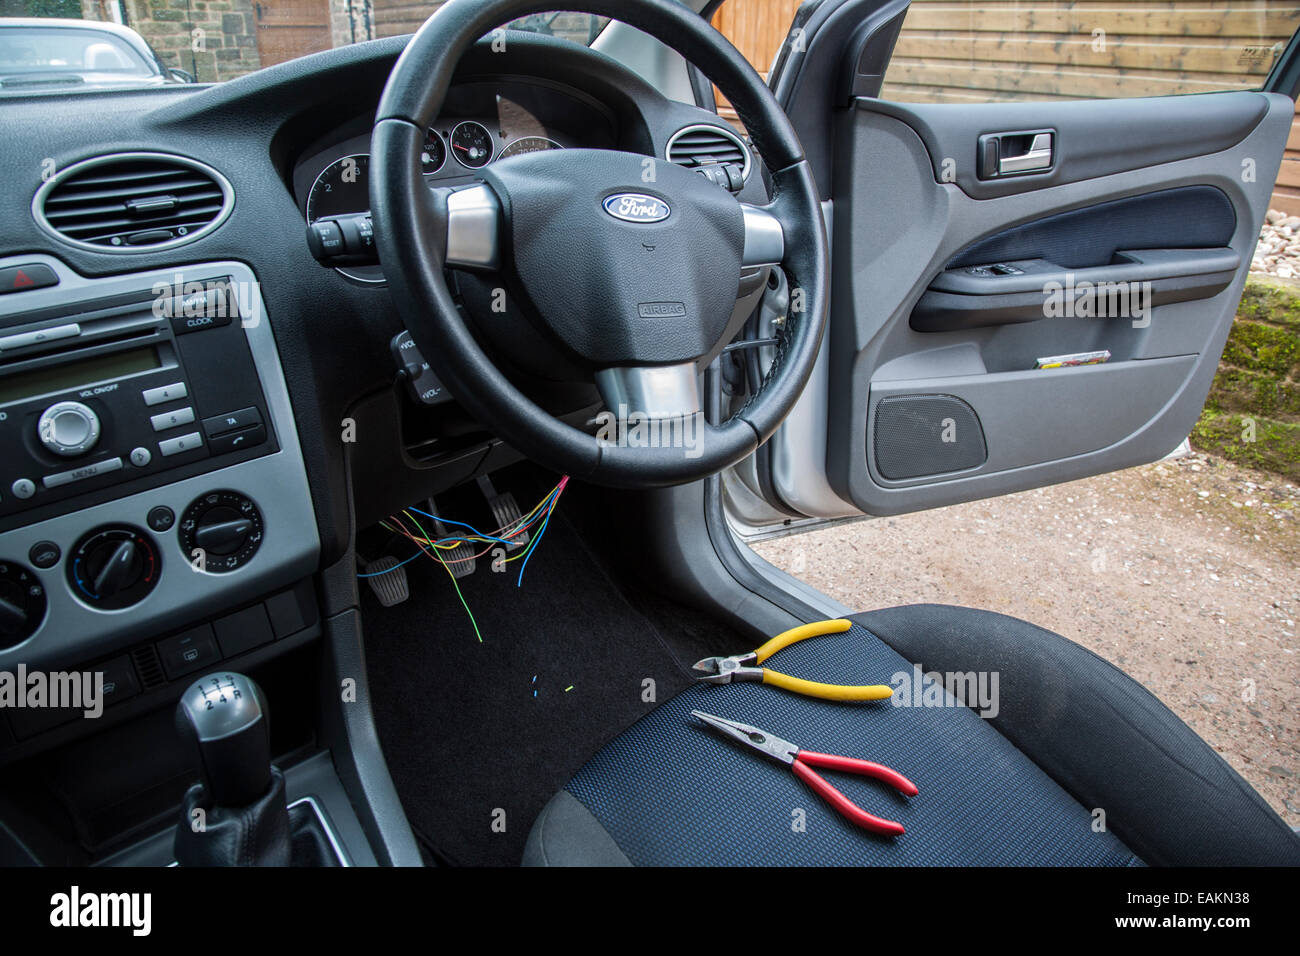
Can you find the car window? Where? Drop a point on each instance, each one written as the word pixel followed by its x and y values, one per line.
pixel 217 41
pixel 965 51
pixel 39 50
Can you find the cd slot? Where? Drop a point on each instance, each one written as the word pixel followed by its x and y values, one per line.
pixel 64 344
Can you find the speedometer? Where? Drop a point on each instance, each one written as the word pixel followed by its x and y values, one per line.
pixel 529 144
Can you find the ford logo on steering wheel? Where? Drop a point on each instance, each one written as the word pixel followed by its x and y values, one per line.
pixel 636 207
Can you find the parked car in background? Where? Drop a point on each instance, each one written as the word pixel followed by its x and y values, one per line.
pixel 47 53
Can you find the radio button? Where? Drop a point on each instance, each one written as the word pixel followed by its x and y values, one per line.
pixel 141 456
pixel 23 339
pixel 231 421
pixel 79 474
pixel 23 488
pixel 165 393
pixel 184 443
pixel 237 441
pixel 166 420
pixel 68 428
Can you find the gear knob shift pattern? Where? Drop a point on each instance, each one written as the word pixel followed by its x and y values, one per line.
pixel 225 715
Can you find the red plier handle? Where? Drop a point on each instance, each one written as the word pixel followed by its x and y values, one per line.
pixel 805 760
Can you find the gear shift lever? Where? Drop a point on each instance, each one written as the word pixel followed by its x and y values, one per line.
pixel 238 815
pixel 225 715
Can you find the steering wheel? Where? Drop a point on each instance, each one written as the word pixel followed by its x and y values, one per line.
pixel 630 262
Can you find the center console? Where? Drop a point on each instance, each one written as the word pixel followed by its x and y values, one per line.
pixel 151 481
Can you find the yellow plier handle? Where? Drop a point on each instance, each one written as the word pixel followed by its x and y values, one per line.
pixel 811 688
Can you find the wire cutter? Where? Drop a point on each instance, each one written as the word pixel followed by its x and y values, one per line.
pixel 802 762
pixel 723 670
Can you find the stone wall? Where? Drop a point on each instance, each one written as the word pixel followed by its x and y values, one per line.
pixel 213 39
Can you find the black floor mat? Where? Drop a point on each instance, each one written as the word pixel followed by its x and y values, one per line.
pixel 478 736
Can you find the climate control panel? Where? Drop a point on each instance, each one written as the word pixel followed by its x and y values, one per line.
pixel 114 567
pixel 220 531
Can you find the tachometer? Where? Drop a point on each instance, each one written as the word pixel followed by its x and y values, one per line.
pixel 529 144
pixel 342 187
pixel 471 144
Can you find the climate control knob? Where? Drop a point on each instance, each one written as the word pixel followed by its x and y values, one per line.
pixel 114 567
pixel 220 531
pixel 68 428
pixel 22 603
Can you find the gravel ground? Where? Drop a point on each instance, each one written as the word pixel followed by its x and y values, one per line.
pixel 1278 252
pixel 1183 573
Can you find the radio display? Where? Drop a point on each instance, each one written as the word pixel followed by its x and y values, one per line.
pixel 24 385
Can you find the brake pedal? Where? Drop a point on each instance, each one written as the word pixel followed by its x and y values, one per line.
pixel 388 580
pixel 505 511
pixel 460 560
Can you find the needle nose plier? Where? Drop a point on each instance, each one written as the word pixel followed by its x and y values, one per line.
pixel 723 670
pixel 802 762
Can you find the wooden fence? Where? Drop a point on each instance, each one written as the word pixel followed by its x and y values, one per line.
pixel 978 51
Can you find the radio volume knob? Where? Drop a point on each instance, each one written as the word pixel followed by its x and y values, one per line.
pixel 68 428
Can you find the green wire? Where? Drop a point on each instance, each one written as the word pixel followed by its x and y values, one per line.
pixel 454 583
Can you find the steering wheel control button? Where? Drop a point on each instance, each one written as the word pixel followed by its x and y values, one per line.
pixel 188 651
pixel 22 603
pixel 141 456
pixel 165 393
pixel 61 478
pixel 181 444
pixel 44 554
pixel 23 488
pixel 421 381
pixel 160 519
pixel 165 420
pixel 68 428
pixel 30 275
pixel 114 567
pixel 221 531
pixel 231 421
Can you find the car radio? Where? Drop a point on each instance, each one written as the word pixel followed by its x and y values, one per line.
pixel 123 394
pixel 151 475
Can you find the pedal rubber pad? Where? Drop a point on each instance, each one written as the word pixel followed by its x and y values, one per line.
pixel 388 580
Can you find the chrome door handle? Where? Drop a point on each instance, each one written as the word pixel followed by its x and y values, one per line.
pixel 1038 156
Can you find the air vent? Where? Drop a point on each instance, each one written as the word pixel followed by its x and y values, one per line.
pixel 133 202
pixel 702 145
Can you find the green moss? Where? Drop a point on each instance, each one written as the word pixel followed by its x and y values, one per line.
pixel 1266 299
pixel 1253 393
pixel 1262 348
pixel 1276 445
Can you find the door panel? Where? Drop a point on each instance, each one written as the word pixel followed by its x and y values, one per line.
pixel 904 240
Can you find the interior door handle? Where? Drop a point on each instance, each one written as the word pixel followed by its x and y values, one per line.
pixel 1038 156
pixel 1016 153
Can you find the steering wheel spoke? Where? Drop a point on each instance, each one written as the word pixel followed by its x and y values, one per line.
pixel 651 391
pixel 473 228
pixel 764 237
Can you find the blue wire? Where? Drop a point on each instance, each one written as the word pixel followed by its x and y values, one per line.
pixel 541 531
pixel 375 574
pixel 460 524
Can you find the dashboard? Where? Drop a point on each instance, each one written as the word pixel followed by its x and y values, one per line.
pixel 177 492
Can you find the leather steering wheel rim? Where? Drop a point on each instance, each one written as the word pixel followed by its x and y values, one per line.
pixel 411 237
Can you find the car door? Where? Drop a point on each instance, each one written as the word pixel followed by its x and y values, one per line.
pixel 1029 286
